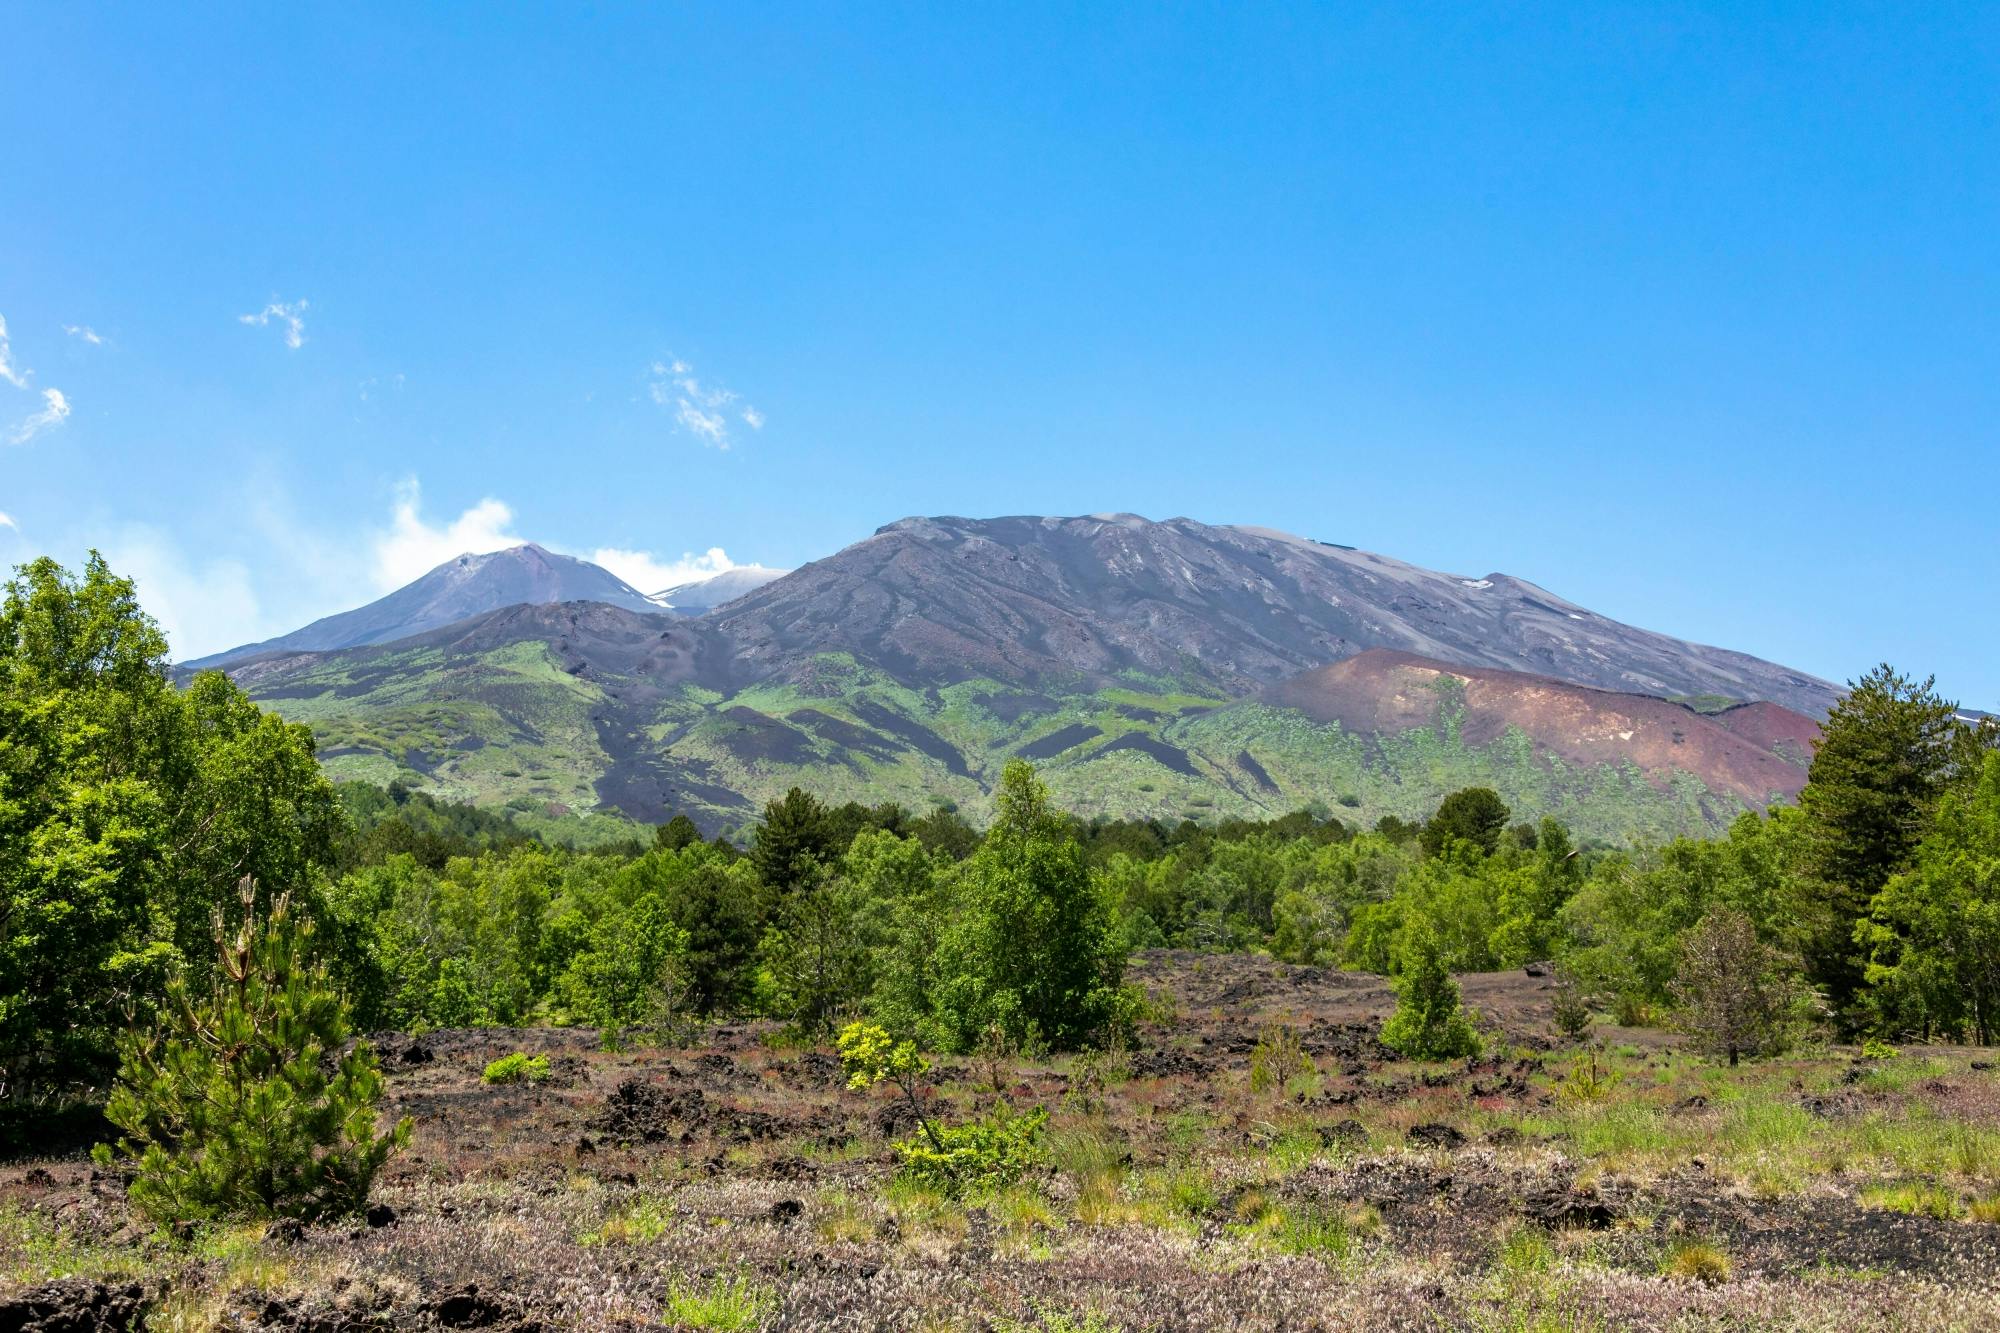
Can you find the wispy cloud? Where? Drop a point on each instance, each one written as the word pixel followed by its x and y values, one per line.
pixel 414 546
pixel 652 574
pixel 702 410
pixel 55 410
pixel 17 378
pixel 7 521
pixel 85 332
pixel 291 317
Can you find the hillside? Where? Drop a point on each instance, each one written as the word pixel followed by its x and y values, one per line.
pixel 1230 608
pixel 1166 669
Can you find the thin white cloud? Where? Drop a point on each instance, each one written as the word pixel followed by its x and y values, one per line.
pixel 55 411
pixel 413 546
pixel 650 574
pixel 290 316
pixel 85 332
pixel 699 409
pixel 202 606
pixel 7 521
pixel 17 378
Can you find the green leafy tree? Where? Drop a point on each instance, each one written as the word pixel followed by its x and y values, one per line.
pixel 816 962
pixel 128 810
pixel 1033 946
pixel 1934 930
pixel 635 972
pixel 1474 814
pixel 1430 1022
pixel 1887 753
pixel 677 833
pixel 248 1102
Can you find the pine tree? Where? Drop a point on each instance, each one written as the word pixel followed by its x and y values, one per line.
pixel 1887 754
pixel 245 1103
pixel 1429 1023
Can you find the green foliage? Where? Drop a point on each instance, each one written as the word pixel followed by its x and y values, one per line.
pixel 1032 944
pixel 1473 814
pixel 1889 750
pixel 1429 1022
pixel 245 1104
pixel 732 1303
pixel 128 810
pixel 1278 1058
pixel 519 1067
pixel 1571 1006
pixel 633 971
pixel 1934 930
pixel 1589 1080
pixel 977 1157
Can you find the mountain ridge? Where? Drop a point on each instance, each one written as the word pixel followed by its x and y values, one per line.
pixel 1169 670
pixel 465 586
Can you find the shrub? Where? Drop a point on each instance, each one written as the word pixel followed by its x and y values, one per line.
pixel 1278 1058
pixel 978 1156
pixel 238 1106
pixel 1876 1049
pixel 1429 1022
pixel 1571 1006
pixel 1737 995
pixel 984 1155
pixel 520 1067
pixel 1696 1259
pixel 1587 1082
pixel 726 1302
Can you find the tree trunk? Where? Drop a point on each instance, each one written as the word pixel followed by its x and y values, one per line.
pixel 1732 1057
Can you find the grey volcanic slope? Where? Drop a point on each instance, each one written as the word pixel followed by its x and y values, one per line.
pixel 935 600
pixel 456 590
pixel 692 599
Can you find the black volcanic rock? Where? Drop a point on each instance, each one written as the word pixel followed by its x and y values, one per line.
pixel 466 586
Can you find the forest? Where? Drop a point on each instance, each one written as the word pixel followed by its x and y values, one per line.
pixel 134 808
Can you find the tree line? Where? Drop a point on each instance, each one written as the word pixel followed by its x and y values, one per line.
pixel 132 809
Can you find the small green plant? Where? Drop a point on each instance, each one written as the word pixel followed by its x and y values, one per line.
pixel 980 1156
pixel 1314 1230
pixel 1589 1081
pixel 976 1157
pixel 243 1104
pixel 1696 1259
pixel 1278 1058
pixel 1876 1049
pixel 637 1223
pixel 1429 1022
pixel 519 1067
pixel 725 1302
pixel 1918 1200
pixel 1571 1006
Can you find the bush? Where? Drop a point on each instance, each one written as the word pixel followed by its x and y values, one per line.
pixel 238 1106
pixel 1429 1022
pixel 520 1067
pixel 984 1155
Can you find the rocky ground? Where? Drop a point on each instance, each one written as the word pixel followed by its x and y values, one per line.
pixel 1254 1159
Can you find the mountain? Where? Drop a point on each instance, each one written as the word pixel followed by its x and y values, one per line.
pixel 1168 670
pixel 1757 752
pixel 1235 608
pixel 703 595
pixel 465 586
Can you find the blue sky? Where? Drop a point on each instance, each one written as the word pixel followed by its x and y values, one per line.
pixel 1685 312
